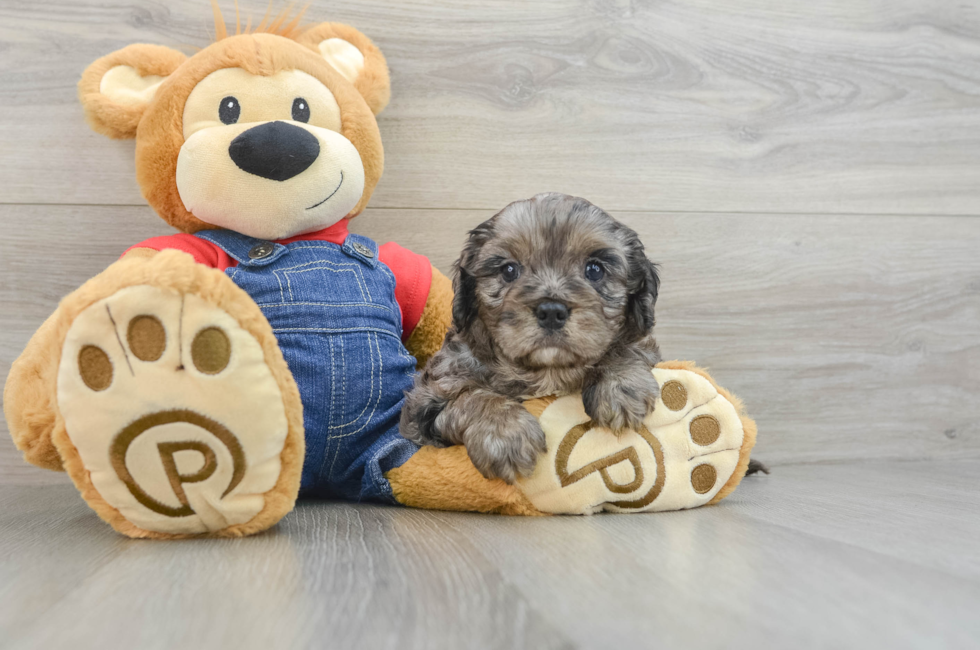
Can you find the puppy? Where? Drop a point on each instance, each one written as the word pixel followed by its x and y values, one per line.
pixel 552 296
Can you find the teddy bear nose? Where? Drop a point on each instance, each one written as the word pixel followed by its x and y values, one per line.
pixel 275 150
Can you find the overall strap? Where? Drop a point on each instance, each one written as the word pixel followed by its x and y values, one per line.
pixel 361 248
pixel 247 251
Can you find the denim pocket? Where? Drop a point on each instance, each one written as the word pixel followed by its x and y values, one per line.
pixel 357 381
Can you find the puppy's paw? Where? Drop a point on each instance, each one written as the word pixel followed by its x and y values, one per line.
pixel 505 444
pixel 621 401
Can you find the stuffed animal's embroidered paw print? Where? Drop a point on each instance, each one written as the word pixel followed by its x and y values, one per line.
pixel 177 420
pixel 691 449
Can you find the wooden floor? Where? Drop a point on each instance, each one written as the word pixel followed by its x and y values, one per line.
pixel 863 555
pixel 807 174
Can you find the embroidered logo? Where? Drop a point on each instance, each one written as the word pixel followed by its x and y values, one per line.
pixel 602 466
pixel 167 450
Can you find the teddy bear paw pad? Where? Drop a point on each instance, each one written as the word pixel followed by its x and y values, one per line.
pixel 177 420
pixel 681 458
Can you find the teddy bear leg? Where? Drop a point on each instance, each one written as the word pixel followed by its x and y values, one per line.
pixel 173 410
pixel 693 450
pixel 29 396
pixel 444 479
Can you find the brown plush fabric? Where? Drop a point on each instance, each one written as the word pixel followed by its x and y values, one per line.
pixel 373 83
pixel 30 393
pixel 111 118
pixel 445 479
pixel 29 397
pixel 437 315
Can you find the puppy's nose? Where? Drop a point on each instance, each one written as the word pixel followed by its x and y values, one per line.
pixel 552 315
pixel 275 150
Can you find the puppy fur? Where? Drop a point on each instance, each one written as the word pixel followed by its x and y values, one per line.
pixel 532 316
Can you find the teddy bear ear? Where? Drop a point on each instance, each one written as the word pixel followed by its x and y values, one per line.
pixel 355 57
pixel 116 89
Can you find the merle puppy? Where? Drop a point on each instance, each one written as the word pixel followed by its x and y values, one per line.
pixel 552 296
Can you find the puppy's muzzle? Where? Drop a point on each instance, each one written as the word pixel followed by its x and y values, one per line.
pixel 275 150
pixel 552 315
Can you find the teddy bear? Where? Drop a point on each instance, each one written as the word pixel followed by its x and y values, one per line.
pixel 207 379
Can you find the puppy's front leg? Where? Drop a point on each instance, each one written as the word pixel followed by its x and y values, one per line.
pixel 621 390
pixel 502 439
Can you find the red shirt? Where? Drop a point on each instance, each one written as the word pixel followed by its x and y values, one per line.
pixel 413 272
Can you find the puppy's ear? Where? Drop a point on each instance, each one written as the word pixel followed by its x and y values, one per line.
pixel 465 307
pixel 643 285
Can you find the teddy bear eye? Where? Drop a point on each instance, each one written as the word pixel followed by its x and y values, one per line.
pixel 229 110
pixel 301 110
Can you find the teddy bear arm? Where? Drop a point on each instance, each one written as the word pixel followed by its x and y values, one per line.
pixel 436 318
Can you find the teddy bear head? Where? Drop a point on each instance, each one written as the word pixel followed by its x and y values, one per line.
pixel 267 134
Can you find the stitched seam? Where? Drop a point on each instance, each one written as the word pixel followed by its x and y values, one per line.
pixel 380 391
pixel 333 380
pixel 375 330
pixel 323 265
pixel 377 401
pixel 325 304
pixel 320 268
pixel 344 382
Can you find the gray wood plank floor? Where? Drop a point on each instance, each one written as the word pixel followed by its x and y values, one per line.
pixel 861 555
pixel 807 174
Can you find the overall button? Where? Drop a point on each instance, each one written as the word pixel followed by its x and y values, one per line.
pixel 259 251
pixel 363 250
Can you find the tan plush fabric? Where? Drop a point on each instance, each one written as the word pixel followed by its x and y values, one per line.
pixel 436 318
pixel 748 426
pixel 37 424
pixel 684 456
pixel 168 438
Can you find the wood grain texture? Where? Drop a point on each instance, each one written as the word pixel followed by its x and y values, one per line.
pixel 791 560
pixel 840 106
pixel 847 338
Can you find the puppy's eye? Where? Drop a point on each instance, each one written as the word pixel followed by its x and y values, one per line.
pixel 301 110
pixel 594 271
pixel 510 271
pixel 229 110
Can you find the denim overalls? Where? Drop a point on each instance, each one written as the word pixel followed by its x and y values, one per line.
pixel 334 313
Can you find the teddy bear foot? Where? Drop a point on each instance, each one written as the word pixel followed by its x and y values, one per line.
pixel 160 388
pixel 692 450
pixel 177 421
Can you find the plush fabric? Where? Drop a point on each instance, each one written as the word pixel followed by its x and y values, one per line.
pixel 433 321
